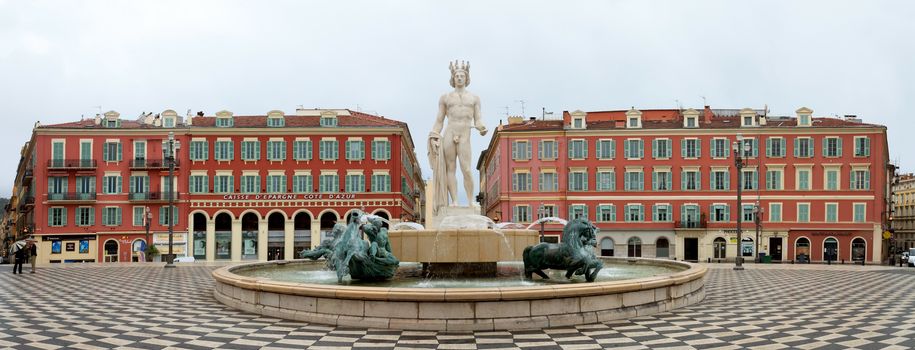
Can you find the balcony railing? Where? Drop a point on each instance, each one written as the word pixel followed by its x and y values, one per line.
pixel 151 196
pixel 28 200
pixel 71 197
pixel 151 163
pixel 699 223
pixel 72 164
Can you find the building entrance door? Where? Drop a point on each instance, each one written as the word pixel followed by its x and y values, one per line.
pixel 691 249
pixel 775 248
pixel 830 249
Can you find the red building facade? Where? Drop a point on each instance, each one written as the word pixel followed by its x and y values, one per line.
pixel 244 188
pixel 663 183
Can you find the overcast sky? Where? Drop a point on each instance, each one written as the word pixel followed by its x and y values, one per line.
pixel 59 60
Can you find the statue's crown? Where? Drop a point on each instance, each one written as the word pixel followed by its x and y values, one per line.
pixel 459 66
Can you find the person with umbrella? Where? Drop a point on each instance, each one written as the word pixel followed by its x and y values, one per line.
pixel 20 254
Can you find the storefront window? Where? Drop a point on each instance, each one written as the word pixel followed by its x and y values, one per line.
pixel 746 247
pixel 858 249
pixel 720 246
pixel 249 245
pixel 223 245
pixel 606 247
pixel 802 250
pixel 200 245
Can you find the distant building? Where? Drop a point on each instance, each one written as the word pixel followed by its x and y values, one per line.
pixel 904 211
pixel 662 183
pixel 246 187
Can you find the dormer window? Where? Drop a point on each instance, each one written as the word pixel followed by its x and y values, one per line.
pixel 747 117
pixel 804 116
pixel 169 118
pixel 691 118
pixel 578 120
pixel 224 119
pixel 633 119
pixel 276 119
pixel 111 120
pixel 328 119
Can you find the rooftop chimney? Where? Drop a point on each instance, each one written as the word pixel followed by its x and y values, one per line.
pixel 707 115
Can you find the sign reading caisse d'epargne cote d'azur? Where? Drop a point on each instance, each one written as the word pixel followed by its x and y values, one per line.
pixel 303 196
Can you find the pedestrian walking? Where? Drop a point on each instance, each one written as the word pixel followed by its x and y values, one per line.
pixel 20 256
pixel 33 254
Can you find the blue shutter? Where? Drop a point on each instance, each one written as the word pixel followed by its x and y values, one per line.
pixel 867 146
pixel 91 216
pixel 120 153
pixel 797 147
pixel 598 146
pixel 540 149
pixel 683 181
pixel 626 153
pixel 570 148
pixel 584 148
pixel 769 147
pixel 105 152
pixel 105 220
pixel 825 146
pixel 641 149
pixel 683 148
pixel 867 179
pixel 612 149
pixel 727 181
pixel 654 148
pixel 839 147
pixel 641 181
pixel 654 180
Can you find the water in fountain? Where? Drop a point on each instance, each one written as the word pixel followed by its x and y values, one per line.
pixel 466 222
pixel 407 226
pixel 508 226
pixel 548 219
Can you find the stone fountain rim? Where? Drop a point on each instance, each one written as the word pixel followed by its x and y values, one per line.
pixel 692 272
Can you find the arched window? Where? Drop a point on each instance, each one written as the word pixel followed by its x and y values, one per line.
pixel 111 251
pixel 635 247
pixel 223 236
pixel 200 236
pixel 830 249
pixel 802 249
pixel 606 247
pixel 276 236
pixel 302 235
pixel 249 228
pixel 663 248
pixel 858 249
pixel 746 247
pixel 720 246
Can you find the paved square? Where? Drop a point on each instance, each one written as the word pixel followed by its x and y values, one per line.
pixel 765 307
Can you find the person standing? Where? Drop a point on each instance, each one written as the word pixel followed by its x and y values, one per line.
pixel 33 255
pixel 20 257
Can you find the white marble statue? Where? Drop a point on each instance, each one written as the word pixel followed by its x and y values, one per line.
pixel 463 111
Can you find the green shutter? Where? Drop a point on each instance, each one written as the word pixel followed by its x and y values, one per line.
pixel 839 147
pixel 626 149
pixel 867 146
pixel 797 147
pixel 825 146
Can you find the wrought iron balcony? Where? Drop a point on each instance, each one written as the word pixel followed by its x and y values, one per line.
pixel 152 196
pixel 53 197
pixel 72 164
pixel 151 163
pixel 696 223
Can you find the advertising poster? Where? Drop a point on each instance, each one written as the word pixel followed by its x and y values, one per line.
pixel 55 247
pixel 83 247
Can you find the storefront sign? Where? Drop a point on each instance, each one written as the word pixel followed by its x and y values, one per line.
pixel 831 234
pixel 309 196
pixel 177 238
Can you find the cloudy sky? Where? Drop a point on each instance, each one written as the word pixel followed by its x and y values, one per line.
pixel 61 60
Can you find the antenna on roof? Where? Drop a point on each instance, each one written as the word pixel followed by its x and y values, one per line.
pixel 704 103
pixel 679 106
pixel 506 111
pixel 99 109
pixel 522 106
pixel 545 113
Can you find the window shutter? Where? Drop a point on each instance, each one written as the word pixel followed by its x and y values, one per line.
pixel 599 146
pixel 867 146
pixel 825 146
pixel 540 149
pixel 683 148
pixel 91 216
pixel 555 183
pixel 584 181
pixel 727 181
pixel 63 216
pixel 727 213
pixel 683 181
pixel 515 182
pixel 627 184
pixel 119 181
pixel 769 147
pixel 867 180
pixel 120 153
pixel 612 149
pixel 797 148
pixel 641 181
pixel 712 181
pixel 117 217
pixel 105 219
pixel 571 143
pixel 698 149
pixel 654 213
pixel 654 180
pixel 133 184
pixel 626 148
pixel 641 149
pixel 105 155
pixel 839 147
pixel 853 181
pixel 713 147
pixel 654 148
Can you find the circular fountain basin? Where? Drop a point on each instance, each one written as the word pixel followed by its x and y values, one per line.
pixel 299 290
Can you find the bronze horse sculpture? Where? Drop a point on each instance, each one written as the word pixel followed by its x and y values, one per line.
pixel 575 254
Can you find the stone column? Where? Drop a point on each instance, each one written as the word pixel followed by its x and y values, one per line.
pixel 289 240
pixel 262 240
pixel 315 233
pixel 236 240
pixel 211 240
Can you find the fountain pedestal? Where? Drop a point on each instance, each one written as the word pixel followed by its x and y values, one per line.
pixel 472 250
pixel 433 221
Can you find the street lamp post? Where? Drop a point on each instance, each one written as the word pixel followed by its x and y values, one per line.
pixel 147 217
pixel 541 213
pixel 757 212
pixel 170 260
pixel 739 147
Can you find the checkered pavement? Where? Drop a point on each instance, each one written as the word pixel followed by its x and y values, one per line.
pixel 765 307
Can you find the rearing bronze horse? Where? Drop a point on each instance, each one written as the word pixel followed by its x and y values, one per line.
pixel 575 254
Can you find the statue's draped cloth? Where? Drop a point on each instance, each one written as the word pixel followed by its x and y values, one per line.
pixel 439 178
